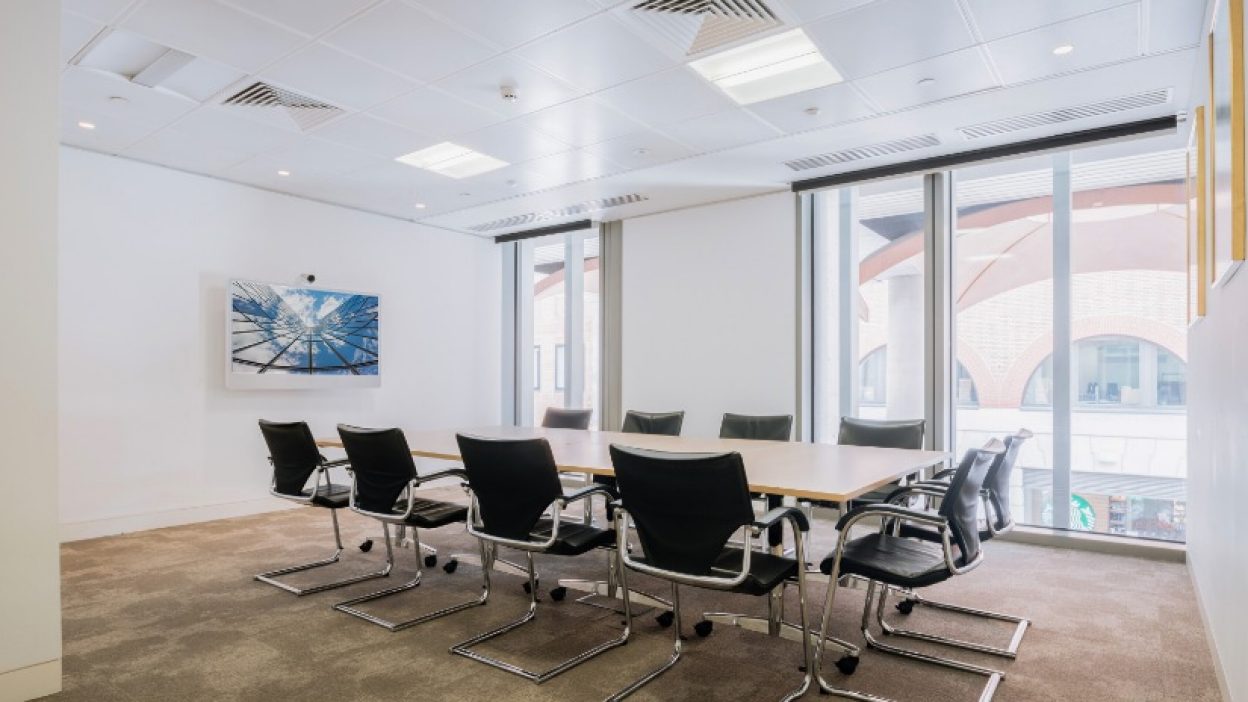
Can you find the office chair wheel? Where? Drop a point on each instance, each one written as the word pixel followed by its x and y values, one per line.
pixel 431 561
pixel 557 594
pixel 450 565
pixel 703 628
pixel 847 664
pixel 367 545
pixel 665 619
pixel 528 589
pixel 905 606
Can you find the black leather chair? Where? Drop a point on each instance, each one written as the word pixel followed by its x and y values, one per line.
pixel 686 507
pixel 557 418
pixel 659 423
pixel 997 520
pixel 888 559
pixel 756 427
pixel 511 485
pixel 384 487
pixel 881 433
pixel 296 460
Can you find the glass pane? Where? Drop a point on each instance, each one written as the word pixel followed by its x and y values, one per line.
pixel 1003 320
pixel 549 312
pixel 590 353
pixel 1129 327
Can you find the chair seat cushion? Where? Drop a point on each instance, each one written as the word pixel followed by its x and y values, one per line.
pixel 574 539
pixel 918 531
pixel 431 514
pixel 892 559
pixel 332 496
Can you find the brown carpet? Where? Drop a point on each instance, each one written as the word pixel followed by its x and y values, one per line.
pixel 173 614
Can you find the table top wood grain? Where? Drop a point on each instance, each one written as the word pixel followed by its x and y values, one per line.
pixel 808 471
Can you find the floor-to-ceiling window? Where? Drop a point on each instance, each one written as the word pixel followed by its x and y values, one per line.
pixel 1066 290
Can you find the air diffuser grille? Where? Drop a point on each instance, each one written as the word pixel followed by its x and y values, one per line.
pixel 1039 119
pixel 304 111
pixel 701 25
pixel 580 208
pixel 860 153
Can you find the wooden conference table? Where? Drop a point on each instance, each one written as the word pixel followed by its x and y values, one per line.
pixel 778 468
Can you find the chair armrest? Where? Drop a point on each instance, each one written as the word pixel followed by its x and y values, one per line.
pixel 857 514
pixel 439 475
pixel 774 516
pixel 588 492
pixel 341 462
pixel 943 474
pixel 906 491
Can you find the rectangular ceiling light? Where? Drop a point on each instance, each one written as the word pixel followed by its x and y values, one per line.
pixel 452 160
pixel 779 65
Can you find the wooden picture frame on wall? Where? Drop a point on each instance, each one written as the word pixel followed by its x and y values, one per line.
pixel 1225 148
pixel 1197 214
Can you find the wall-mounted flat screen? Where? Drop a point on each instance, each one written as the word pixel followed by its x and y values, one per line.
pixel 281 336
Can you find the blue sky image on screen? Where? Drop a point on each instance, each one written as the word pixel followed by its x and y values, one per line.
pixel 305 331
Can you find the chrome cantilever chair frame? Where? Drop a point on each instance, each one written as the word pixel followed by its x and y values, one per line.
pixel 749 532
pixel 894 514
pixel 351 606
pixel 1010 651
pixel 464 648
pixel 320 473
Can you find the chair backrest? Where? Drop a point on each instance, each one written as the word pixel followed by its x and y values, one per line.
pixel 960 506
pixel 557 418
pixel 756 427
pixel 666 423
pixel 514 481
pixel 293 452
pixel 381 464
pixel 685 505
pixel 998 480
pixel 900 434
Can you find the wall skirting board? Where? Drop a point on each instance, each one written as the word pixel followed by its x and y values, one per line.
pixel 125 524
pixel 1218 668
pixel 31 682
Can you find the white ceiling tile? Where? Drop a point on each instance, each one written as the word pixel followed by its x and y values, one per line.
pixel 481 85
pixel 337 78
pixel 1173 24
pixel 835 103
pixel 409 41
pixel 572 166
pixel 594 54
pixel 435 113
pixel 954 74
pixel 214 31
pixel 640 149
pixel 400 178
pixel 664 98
pixel 1100 38
pixel 104 11
pixel 311 17
pixel 185 151
pixel 75 33
pixel 808 10
pixel 890 33
pixel 374 136
pixel 512 142
pixel 219 128
pixel 581 122
pixel 722 130
pixel 112 133
pixel 509 24
pixel 92 90
pixel 313 155
pixel 201 79
pixel 999 18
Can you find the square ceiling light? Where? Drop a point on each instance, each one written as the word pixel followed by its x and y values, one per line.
pixel 452 160
pixel 779 65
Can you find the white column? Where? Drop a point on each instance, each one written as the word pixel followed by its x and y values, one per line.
pixel 30 593
pixel 905 391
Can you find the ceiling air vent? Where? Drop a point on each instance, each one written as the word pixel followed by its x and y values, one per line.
pixel 860 153
pixel 1151 98
pixel 304 111
pixel 580 208
pixel 702 25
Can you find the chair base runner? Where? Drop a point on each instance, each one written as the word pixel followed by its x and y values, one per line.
pixel 270 578
pixel 1010 651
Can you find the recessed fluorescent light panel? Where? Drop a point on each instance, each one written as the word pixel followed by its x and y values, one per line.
pixel 452 160
pixel 779 65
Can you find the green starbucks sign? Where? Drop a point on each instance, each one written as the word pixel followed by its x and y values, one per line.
pixel 1082 516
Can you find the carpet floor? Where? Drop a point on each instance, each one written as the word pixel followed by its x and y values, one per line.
pixel 173 614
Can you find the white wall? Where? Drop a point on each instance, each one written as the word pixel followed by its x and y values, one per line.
pixel 1217 536
pixel 30 593
pixel 710 311
pixel 151 436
